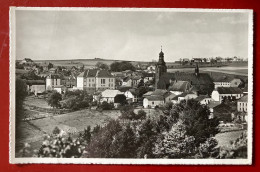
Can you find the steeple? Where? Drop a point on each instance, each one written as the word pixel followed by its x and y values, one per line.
pixel 160 67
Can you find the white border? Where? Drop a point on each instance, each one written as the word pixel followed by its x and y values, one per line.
pixel 14 160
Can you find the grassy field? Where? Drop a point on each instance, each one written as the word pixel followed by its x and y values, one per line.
pixel 225 138
pixel 33 131
pixel 36 102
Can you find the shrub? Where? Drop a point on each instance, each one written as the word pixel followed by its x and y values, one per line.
pixel 56 130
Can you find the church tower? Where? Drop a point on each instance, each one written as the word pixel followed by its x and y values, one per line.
pixel 160 68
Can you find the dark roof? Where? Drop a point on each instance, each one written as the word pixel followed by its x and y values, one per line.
pixel 201 97
pixel 155 97
pixel 201 79
pixel 179 86
pixel 243 99
pixel 124 89
pixel 229 90
pixel 148 74
pixel 222 108
pixel 213 104
pixel 182 95
pixel 95 73
pixel 222 78
pixel 35 82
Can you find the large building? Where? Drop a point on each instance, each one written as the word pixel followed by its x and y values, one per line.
pixel 201 82
pixel 160 68
pixel 93 80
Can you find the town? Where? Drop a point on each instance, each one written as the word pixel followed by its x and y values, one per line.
pixel 130 91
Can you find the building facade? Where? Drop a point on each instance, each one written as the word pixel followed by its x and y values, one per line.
pixel 93 80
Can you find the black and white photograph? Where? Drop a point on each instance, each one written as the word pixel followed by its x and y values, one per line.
pixel 131 86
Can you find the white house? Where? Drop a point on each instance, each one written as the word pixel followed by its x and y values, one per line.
pixel 109 95
pixel 148 77
pixel 152 101
pixel 52 81
pixel 93 80
pixel 242 104
pixel 183 96
pixel 226 92
pixel 204 99
pixel 130 94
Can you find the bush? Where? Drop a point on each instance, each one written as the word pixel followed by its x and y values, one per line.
pixel 141 114
pixel 56 130
pixel 106 106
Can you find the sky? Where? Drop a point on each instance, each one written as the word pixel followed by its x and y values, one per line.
pixel 129 35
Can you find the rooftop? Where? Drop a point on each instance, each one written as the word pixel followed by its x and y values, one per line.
pixel 229 90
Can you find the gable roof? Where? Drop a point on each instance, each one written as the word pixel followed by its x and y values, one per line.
pixel 229 90
pixel 202 97
pixel 124 89
pixel 179 86
pixel 155 98
pixel 110 93
pixel 95 73
pixel 213 104
pixel 148 93
pixel 222 108
pixel 243 99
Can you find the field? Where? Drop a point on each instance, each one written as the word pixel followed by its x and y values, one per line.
pixel 225 138
pixel 33 131
pixel 36 102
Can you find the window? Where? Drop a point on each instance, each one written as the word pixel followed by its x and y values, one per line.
pixel 89 85
pixel 152 103
pixel 103 81
pixel 92 80
pixel 89 80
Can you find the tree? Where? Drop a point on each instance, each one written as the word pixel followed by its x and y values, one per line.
pixel 87 134
pixel 56 130
pixel 141 114
pixel 175 143
pixel 54 99
pixel 50 65
pixel 208 149
pixel 100 144
pixel 20 94
pixel 147 137
pixel 121 66
pixel 101 65
pixel 106 106
pixel 124 144
pixel 196 120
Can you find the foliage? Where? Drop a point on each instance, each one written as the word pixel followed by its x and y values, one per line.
pixel 87 134
pixel 76 100
pixel 140 91
pixel 208 149
pixel 106 106
pixel 124 144
pixel 141 114
pixel 54 99
pixel 121 66
pixel 101 65
pixel 147 136
pixel 175 143
pixel 50 65
pixel 56 130
pixel 236 149
pixel 196 120
pixel 31 76
pixel 101 144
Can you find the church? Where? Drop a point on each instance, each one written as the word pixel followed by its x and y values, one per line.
pixel 202 83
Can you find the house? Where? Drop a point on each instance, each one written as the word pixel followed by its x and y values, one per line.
pixel 211 105
pixel 148 77
pixel 167 96
pixel 151 68
pixel 223 112
pixel 127 82
pixel 149 93
pixel 204 99
pixel 45 66
pixel 93 80
pixel 69 81
pixel 36 86
pixel 131 95
pixel 109 95
pixel 183 96
pixel 53 70
pixel 221 93
pixel 52 81
pixel 136 80
pixel 196 60
pixel 242 104
pixel 60 89
pixel 153 101
pixel 27 61
pixel 226 81
pixel 179 87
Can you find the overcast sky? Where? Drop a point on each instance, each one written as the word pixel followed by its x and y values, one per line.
pixel 129 35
